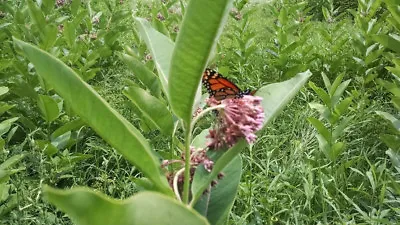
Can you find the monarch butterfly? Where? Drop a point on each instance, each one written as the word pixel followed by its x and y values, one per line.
pixel 220 87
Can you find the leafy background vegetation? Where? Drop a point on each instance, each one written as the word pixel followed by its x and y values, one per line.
pixel 331 157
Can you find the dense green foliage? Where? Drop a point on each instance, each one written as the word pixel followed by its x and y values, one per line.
pixel 331 157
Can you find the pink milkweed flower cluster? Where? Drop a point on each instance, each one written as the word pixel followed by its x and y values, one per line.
pixel 240 118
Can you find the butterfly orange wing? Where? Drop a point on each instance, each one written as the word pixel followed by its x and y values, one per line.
pixel 219 87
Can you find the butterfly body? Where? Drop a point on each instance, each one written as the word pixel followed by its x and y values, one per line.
pixel 220 87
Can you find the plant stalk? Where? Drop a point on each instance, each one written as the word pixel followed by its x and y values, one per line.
pixel 186 183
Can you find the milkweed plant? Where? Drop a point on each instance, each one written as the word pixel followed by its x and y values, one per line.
pixel 196 186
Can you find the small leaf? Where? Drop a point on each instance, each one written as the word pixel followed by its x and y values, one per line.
pixel 327 83
pixel 324 146
pixel 200 140
pixel 321 94
pixel 337 149
pixel 72 125
pixel 339 91
pixel 394 158
pixel 50 36
pixel 339 129
pixel 11 161
pixel 75 6
pixel 391 141
pixel 145 75
pixel 391 42
pixel 320 128
pixel 336 83
pixel 69 33
pixel 343 106
pixel 6 125
pixel 160 47
pixel 47 6
pixel 48 107
pixel 46 147
pixel 3 90
pixel 395 122
pixel 152 108
pixel 37 16
pixel 326 14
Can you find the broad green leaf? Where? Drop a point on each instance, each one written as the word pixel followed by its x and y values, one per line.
pixel 324 146
pixel 48 107
pixel 10 134
pixel 373 6
pixel 394 158
pixel 72 125
pixel 144 74
pixel 293 70
pixel 339 92
pixel 97 113
pixel 46 147
pixel 3 90
pixel 336 83
pixel 321 94
pixel 277 96
pixel 160 27
pixel 223 194
pixel 283 16
pixel 75 6
pixel 89 207
pixel 339 129
pixel 390 86
pixel 200 141
pixel 5 107
pixel 327 82
pixel 337 149
pixel 343 106
pixel 6 125
pixel 50 37
pixel 11 161
pixel 152 108
pixel 196 39
pixel 4 177
pixel 120 15
pixel 69 33
pixel 47 6
pixel 322 110
pixel 37 16
pixel 392 6
pixel 12 203
pixel 291 47
pixel 394 70
pixel 325 34
pixel 396 102
pixel 391 141
pixel 320 128
pixel 62 141
pixel 160 47
pixel 202 180
pixel 373 56
pixel 326 14
pixel 391 42
pixel 395 122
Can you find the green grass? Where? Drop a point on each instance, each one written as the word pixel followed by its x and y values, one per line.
pixel 286 178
